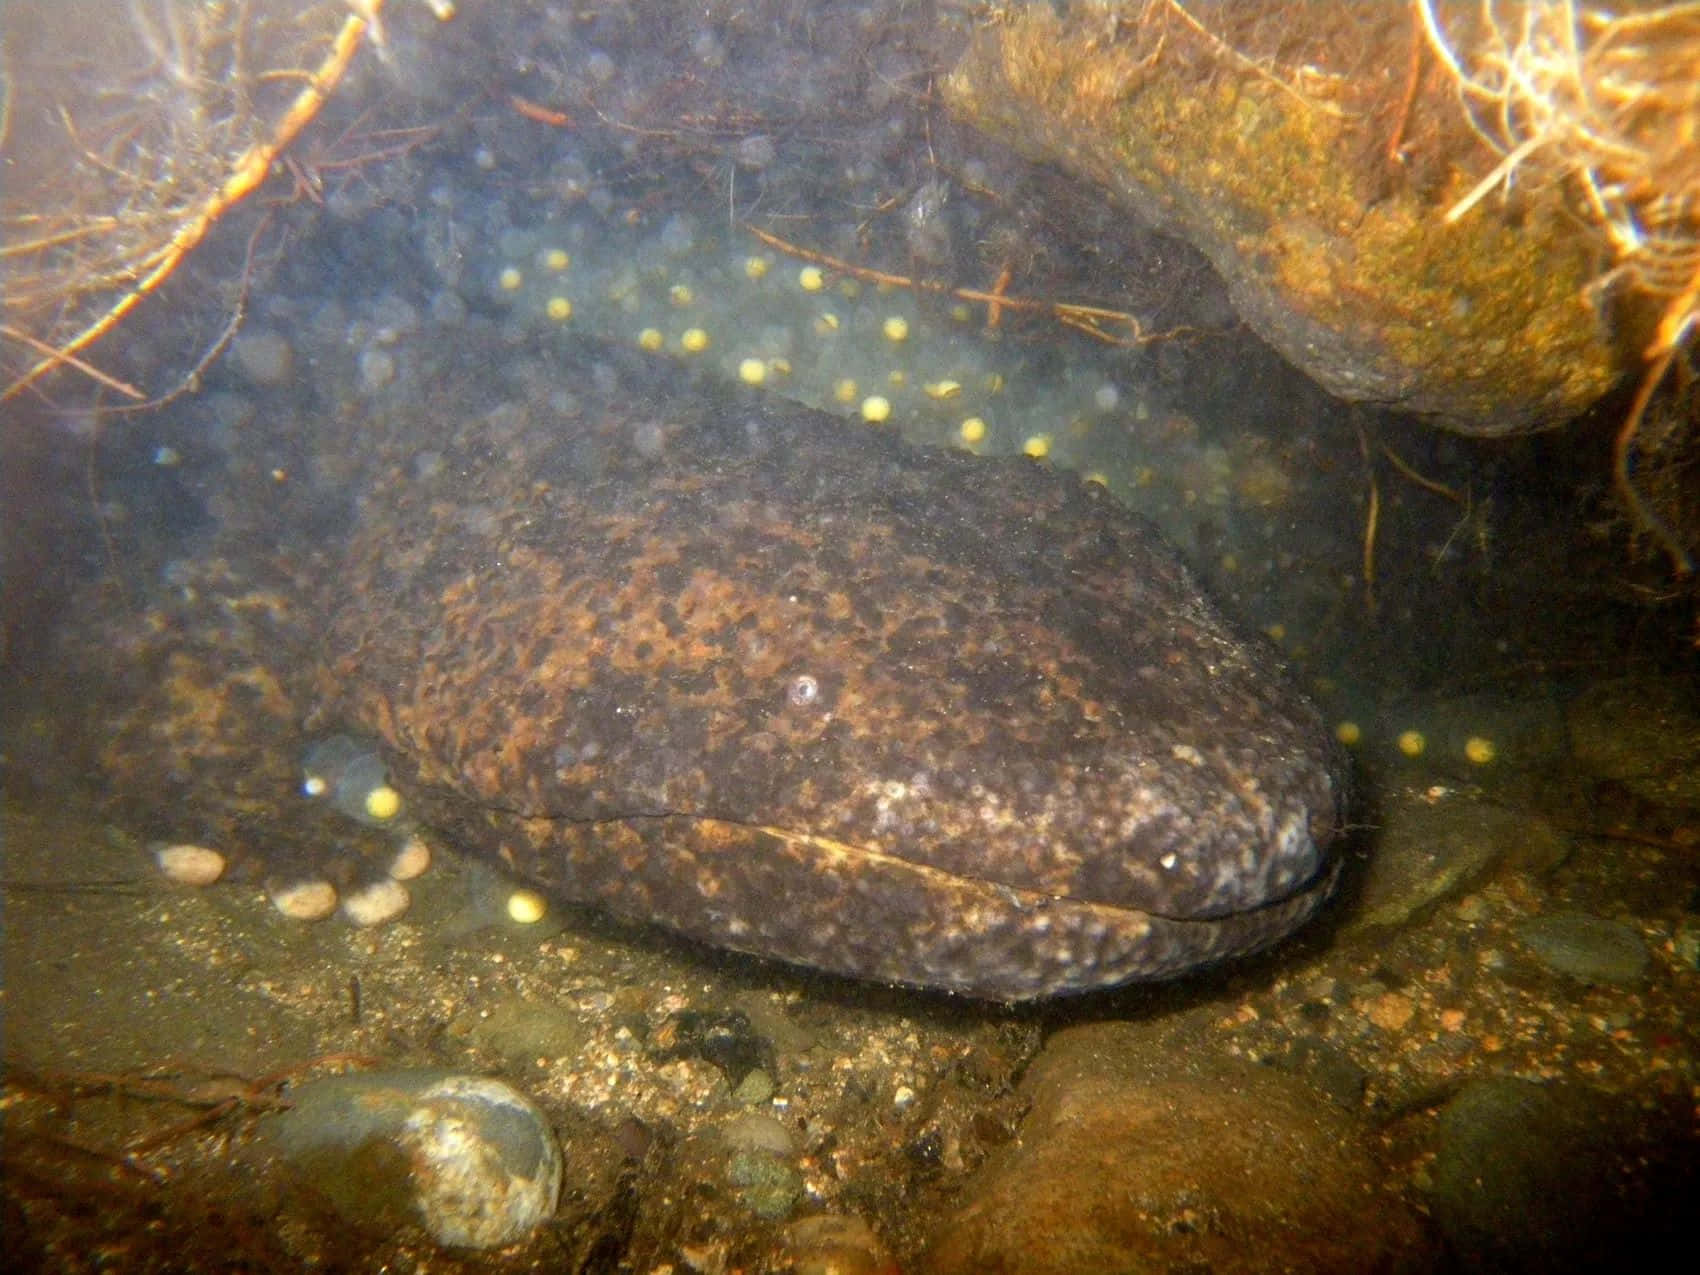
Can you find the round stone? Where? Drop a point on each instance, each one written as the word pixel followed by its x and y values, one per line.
pixel 411 860
pixel 376 903
pixel 190 865
pixel 304 900
pixel 471 1160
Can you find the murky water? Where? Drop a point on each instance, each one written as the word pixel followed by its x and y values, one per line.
pixel 1486 1043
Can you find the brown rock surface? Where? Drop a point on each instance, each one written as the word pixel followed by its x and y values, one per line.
pixel 1278 169
pixel 1131 1160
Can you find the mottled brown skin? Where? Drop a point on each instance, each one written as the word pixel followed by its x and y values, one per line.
pixel 772 679
pixel 191 698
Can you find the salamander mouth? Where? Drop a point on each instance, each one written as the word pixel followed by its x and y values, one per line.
pixel 849 856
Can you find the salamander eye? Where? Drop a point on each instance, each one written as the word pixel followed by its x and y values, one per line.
pixel 802 691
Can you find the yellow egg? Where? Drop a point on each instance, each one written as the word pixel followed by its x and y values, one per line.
pixel 1277 632
pixel 811 279
pixel 1097 477
pixel 972 431
pixel 752 371
pixel 510 279
pixel 651 339
pixel 876 408
pixel 693 340
pixel 1412 743
pixel 1480 749
pixel 383 802
pixel 526 907
pixel 897 377
pixel 755 267
pixel 559 309
pixel 942 389
pixel 1038 446
pixel 961 313
pixel 845 391
pixel 556 259
pixel 896 328
pixel 1349 733
pixel 826 324
pixel 680 294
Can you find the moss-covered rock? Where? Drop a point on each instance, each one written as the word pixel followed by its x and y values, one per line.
pixel 1337 254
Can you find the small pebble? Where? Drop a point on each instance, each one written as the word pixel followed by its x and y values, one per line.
pixel 304 900
pixel 411 860
pixel 1590 948
pixel 377 903
pixel 190 865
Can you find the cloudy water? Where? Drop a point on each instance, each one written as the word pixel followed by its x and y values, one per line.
pixel 819 637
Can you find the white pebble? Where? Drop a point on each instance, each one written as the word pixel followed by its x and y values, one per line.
pixel 379 902
pixel 411 860
pixel 190 865
pixel 304 900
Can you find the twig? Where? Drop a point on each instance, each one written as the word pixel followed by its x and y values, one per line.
pixel 1096 321
pixel 1413 77
pixel 246 174
pixel 1428 484
pixel 87 369
pixel 191 380
pixel 1248 64
pixel 1623 448
pixel 1372 518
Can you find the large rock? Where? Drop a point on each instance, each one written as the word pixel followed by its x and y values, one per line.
pixel 1130 1163
pixel 1338 257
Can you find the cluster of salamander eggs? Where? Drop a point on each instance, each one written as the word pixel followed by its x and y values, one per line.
pixel 350 777
pixel 869 351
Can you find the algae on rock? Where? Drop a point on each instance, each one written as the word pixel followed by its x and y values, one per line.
pixel 1335 252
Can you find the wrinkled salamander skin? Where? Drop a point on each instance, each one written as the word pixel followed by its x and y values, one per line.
pixel 776 681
